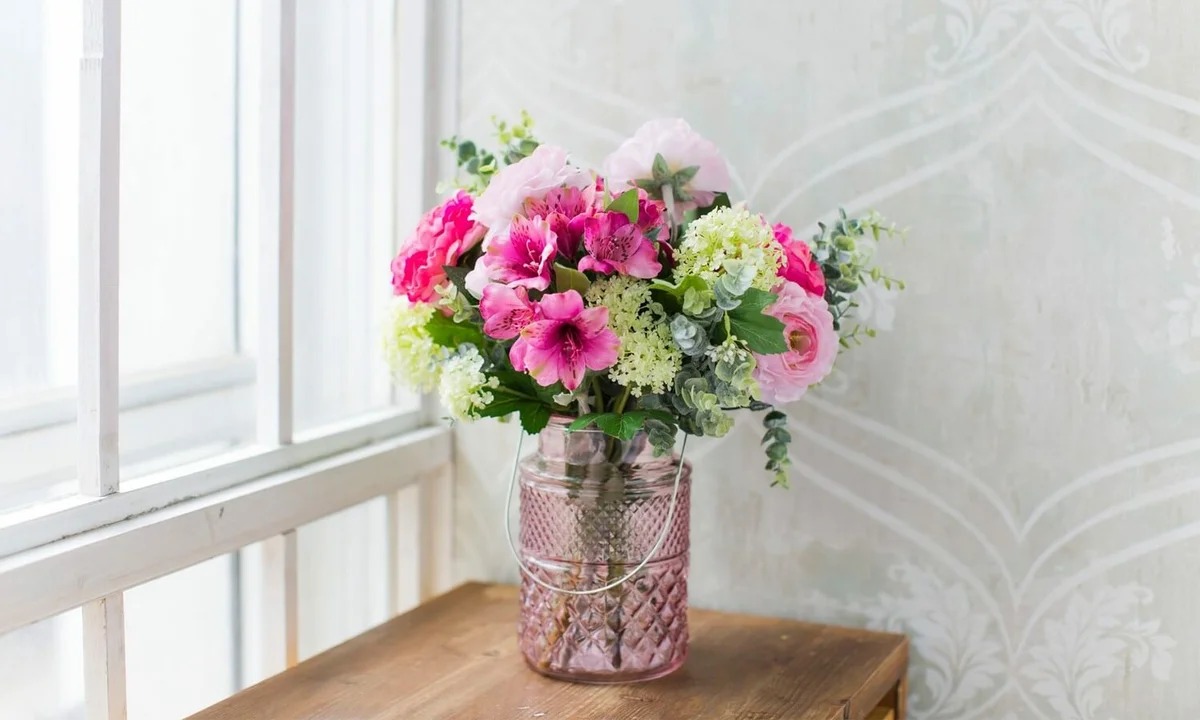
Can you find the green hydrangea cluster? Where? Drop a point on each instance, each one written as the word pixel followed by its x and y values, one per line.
pixel 729 241
pixel 464 388
pixel 649 358
pixel 411 353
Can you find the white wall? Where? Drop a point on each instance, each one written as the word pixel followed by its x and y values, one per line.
pixel 1011 472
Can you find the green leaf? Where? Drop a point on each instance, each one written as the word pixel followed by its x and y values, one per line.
pixel 458 276
pixel 762 333
pixel 447 333
pixel 686 174
pixel 627 203
pixel 623 426
pixel 660 170
pixel 583 421
pixel 566 278
pixel 534 417
pixel 502 406
pixel 692 292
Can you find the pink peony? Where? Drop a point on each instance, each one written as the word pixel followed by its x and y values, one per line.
pixel 812 346
pixel 566 209
pixel 616 245
pixel 522 257
pixel 506 311
pixel 567 341
pixel 531 178
pixel 799 265
pixel 681 147
pixel 442 236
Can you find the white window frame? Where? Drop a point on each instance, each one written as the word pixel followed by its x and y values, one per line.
pixel 84 551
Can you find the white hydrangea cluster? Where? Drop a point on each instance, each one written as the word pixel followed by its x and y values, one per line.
pixel 649 359
pixel 464 388
pixel 415 360
pixel 729 234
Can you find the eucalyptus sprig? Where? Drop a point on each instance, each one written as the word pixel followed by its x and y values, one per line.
pixel 846 253
pixel 475 165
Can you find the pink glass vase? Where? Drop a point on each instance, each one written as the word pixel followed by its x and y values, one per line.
pixel 592 508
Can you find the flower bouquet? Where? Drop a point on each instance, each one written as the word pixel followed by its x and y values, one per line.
pixel 609 311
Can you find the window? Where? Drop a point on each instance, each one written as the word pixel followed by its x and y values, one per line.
pixel 162 238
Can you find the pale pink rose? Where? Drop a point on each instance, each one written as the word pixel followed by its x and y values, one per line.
pixel 566 342
pixel 522 257
pixel 812 346
pixel 506 311
pixel 681 147
pixel 799 265
pixel 442 236
pixel 529 179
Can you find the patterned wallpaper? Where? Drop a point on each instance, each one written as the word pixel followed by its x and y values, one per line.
pixel 1010 472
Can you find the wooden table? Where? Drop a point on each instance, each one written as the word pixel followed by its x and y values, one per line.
pixel 456 657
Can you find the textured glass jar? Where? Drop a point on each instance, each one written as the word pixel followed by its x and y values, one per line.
pixel 592 508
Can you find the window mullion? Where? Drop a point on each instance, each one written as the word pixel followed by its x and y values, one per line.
pixel 99 255
pixel 104 657
pixel 99 183
pixel 275 389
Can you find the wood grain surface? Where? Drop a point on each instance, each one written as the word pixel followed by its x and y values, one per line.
pixel 456 657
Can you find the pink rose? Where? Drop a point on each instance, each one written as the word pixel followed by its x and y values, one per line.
pixel 799 265
pixel 681 147
pixel 529 179
pixel 442 236
pixel 812 346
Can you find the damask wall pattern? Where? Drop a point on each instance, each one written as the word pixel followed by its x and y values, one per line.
pixel 1010 472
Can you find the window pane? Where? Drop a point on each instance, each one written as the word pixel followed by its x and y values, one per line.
pixel 178 169
pixel 342 251
pixel 185 394
pixel 342 576
pixel 41 670
pixel 179 646
pixel 39 51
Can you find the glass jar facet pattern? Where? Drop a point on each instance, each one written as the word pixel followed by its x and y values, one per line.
pixel 591 509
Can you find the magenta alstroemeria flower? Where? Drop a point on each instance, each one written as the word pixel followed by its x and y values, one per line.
pixel 506 311
pixel 566 342
pixel 616 245
pixel 521 257
pixel 565 209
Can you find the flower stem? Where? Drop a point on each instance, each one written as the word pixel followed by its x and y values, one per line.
pixel 597 394
pixel 619 407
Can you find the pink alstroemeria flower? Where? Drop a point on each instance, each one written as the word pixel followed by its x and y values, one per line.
pixel 565 209
pixel 616 245
pixel 566 342
pixel 532 177
pixel 506 311
pixel 521 257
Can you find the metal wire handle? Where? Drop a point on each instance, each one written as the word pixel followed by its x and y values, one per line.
pixel 662 535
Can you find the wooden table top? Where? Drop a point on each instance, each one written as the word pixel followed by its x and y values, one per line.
pixel 456 657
